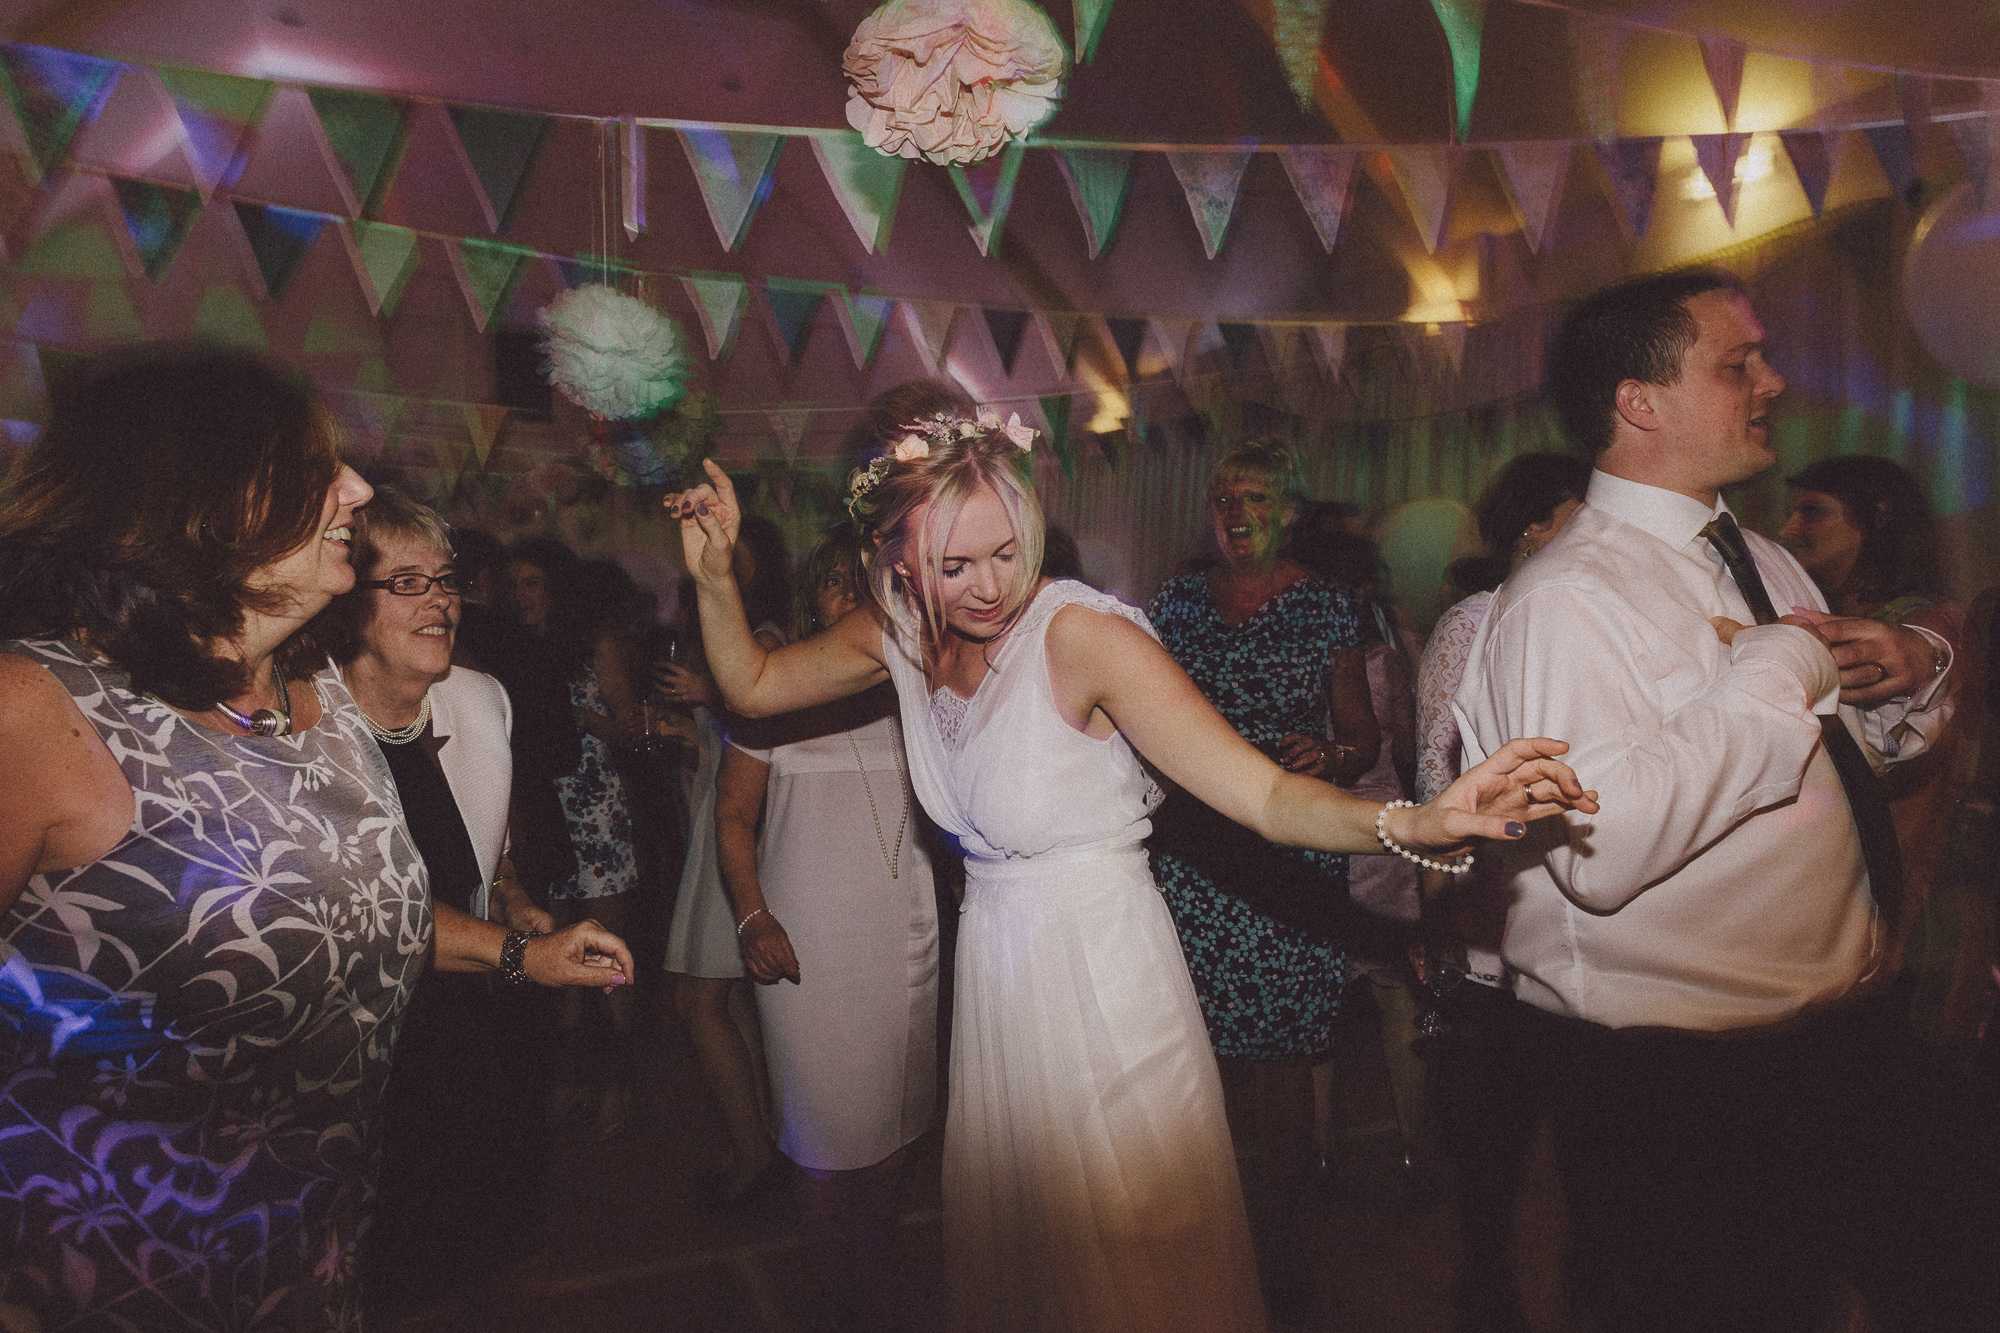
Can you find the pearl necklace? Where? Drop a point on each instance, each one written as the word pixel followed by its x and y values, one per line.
pixel 893 862
pixel 398 735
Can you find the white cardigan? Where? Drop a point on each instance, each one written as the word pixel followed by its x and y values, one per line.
pixel 472 718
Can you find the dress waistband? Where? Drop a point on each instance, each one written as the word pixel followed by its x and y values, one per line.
pixel 1064 865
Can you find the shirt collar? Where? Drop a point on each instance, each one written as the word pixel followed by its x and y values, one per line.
pixel 1674 518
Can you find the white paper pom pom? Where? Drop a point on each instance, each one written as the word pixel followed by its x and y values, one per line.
pixel 613 354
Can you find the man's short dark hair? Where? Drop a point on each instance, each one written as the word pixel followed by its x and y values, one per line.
pixel 1639 330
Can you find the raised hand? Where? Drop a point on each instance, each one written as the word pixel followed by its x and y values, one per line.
pixel 709 518
pixel 1522 781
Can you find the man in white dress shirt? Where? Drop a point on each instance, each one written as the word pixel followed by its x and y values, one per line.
pixel 1698 959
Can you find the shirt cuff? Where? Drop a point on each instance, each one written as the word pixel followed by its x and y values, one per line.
pixel 1799 653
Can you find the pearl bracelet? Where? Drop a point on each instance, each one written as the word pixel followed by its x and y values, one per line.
pixel 748 919
pixel 1382 836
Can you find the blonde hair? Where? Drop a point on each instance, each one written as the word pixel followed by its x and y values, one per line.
pixel 907 515
pixel 1271 460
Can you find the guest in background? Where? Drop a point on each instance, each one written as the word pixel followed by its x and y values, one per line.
pixel 837 903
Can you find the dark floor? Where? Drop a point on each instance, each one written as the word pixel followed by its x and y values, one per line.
pixel 631 1249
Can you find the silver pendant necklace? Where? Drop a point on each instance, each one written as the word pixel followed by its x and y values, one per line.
pixel 265 721
pixel 893 861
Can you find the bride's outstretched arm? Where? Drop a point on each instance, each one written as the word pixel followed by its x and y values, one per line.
pixel 756 682
pixel 1100 662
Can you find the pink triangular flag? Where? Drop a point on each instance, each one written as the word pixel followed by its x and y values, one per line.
pixel 1210 181
pixel 1534 170
pixel 929 323
pixel 139 135
pixel 1323 178
pixel 1723 58
pixel 1170 338
pixel 1427 175
pixel 1718 155
pixel 1330 342
pixel 1597 44
pixel 1831 91
pixel 292 164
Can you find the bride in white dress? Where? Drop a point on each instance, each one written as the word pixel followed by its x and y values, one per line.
pixel 1089 1182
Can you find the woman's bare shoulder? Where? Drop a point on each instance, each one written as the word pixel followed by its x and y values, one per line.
pixel 63 799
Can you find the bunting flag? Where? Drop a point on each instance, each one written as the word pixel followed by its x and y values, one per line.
pixel 1811 154
pixel 217 112
pixel 733 169
pixel 1210 181
pixel 1126 335
pixel 1463 22
pixel 793 304
pixel 364 130
pixel 1896 151
pixel 1973 136
pixel 1090 17
pixel 158 218
pixel 1061 330
pixel 866 183
pixel 1330 342
pixel 109 317
pixel 450 459
pixel 1237 338
pixel 632 177
pixel 718 303
pixel 866 319
pixel 1597 43
pixel 929 323
pixel 1534 170
pixel 331 337
pixel 1097 179
pixel 487 271
pixel 1280 346
pixel 279 239
pixel 79 246
pixel 1295 30
pixel 1170 339
pixel 384 257
pixel 987 191
pixel 53 93
pixel 1323 178
pixel 1632 166
pixel 1718 155
pixel 1723 57
pixel 789 425
pixel 229 317
pixel 501 146
pixel 1831 90
pixel 1008 327
pixel 1426 176
pixel 288 160
pixel 136 134
pixel 1055 411
pixel 483 422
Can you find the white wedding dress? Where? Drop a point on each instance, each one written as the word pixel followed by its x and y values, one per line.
pixel 1089 1182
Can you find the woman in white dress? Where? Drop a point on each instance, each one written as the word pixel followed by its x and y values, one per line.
pixel 1089 1182
pixel 835 898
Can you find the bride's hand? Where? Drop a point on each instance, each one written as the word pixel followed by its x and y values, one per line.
pixel 1522 781
pixel 709 519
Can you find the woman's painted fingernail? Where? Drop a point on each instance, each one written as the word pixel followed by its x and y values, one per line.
pixel 1516 829
pixel 702 510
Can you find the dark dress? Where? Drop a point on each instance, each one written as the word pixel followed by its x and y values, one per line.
pixel 195 1029
pixel 1257 921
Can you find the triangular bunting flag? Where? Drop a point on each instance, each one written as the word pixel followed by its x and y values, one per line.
pixel 789 425
pixel 1055 411
pixel 1126 334
pixel 1170 336
pixel 1534 170
pixel 217 111
pixel 80 247
pixel 327 336
pixel 930 323
pixel 1210 182
pixel 483 422
pixel 1718 155
pixel 1090 17
pixel 1974 137
pixel 1597 44
pixel 1723 58
pixel 632 177
pixel 1097 180
pixel 109 316
pixel 1007 328
pixel 793 303
pixel 158 218
pixel 1811 154
pixel 1280 346
pixel 1238 338
pixel 1427 176
pixel 501 146
pixel 1330 342
pixel 229 317
pixel 1831 90
pixel 279 238
pixel 1295 32
pixel 1060 331
pixel 1897 153
pixel 384 257
pixel 137 134
pixel 364 131
pixel 718 303
pixel 733 170
pixel 1323 178
pixel 487 271
pixel 987 190
pixel 1633 167
pixel 867 319
pixel 866 183
pixel 1463 22
pixel 53 93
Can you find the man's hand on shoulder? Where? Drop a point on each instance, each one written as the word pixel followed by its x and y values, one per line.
pixel 1878 661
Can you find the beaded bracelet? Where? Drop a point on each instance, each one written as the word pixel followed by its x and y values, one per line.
pixel 748 919
pixel 1382 836
pixel 513 956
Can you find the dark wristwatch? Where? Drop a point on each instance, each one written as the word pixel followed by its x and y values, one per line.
pixel 513 952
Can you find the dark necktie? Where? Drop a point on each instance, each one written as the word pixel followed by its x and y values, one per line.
pixel 1865 796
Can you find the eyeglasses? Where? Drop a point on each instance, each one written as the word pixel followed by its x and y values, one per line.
pixel 419 585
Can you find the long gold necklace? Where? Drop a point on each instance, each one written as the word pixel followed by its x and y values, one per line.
pixel 893 861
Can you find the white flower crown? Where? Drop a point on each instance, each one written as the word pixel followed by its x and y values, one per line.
pixel 940 429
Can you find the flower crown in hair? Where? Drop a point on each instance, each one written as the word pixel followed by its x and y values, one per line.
pixel 941 429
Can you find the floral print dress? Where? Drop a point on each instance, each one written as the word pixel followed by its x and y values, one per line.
pixel 594 806
pixel 1256 920
pixel 195 1029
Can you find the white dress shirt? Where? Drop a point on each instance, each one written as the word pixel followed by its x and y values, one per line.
pixel 1722 884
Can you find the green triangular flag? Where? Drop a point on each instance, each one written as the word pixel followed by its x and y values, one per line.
pixel 1055 410
pixel 80 248
pixel 794 303
pixel 372 376
pixel 230 317
pixel 501 145
pixel 733 170
pixel 989 217
pixel 867 320
pixel 384 257
pixel 110 318
pixel 53 93
pixel 718 302
pixel 487 272
pixel 365 131
pixel 159 217
pixel 1097 179
pixel 326 337
pixel 866 183
pixel 1295 30
pixel 1090 17
pixel 1463 22
pixel 1210 181
pixel 217 111
pixel 279 239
